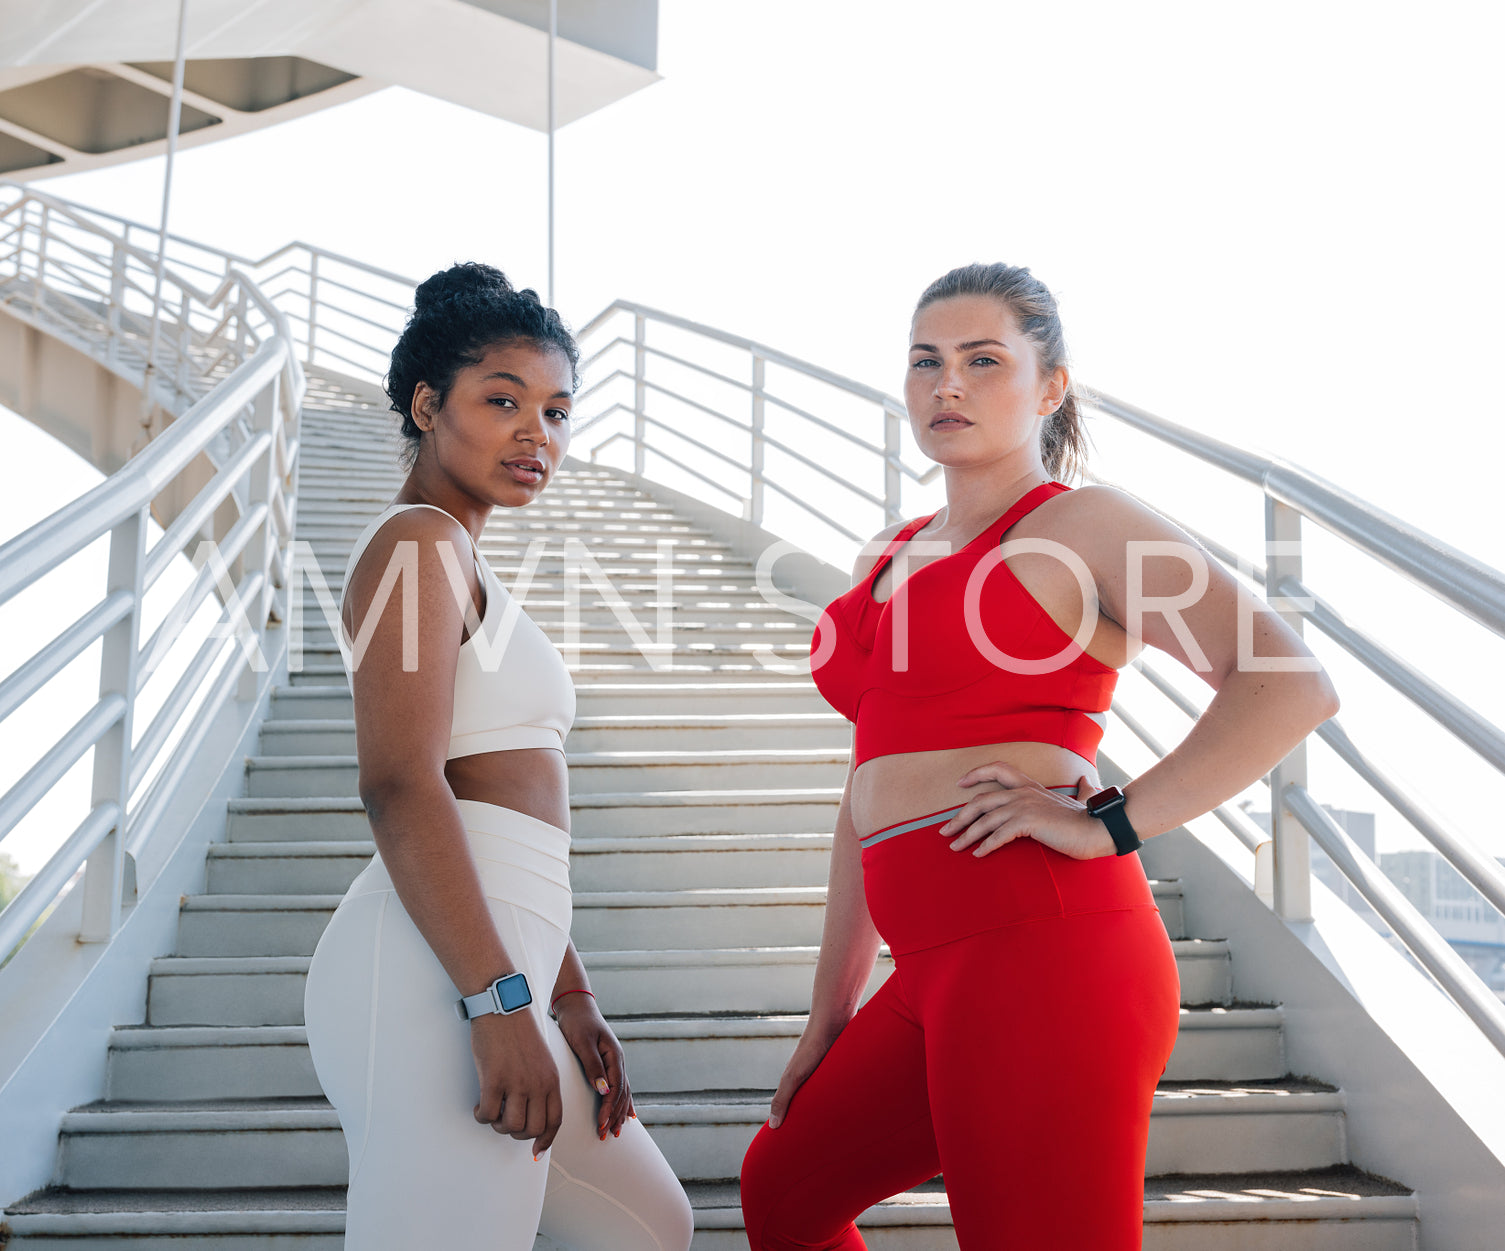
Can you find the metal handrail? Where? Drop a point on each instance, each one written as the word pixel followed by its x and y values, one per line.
pixel 302 283
pixel 1456 578
pixel 245 364
pixel 887 464
pixel 770 354
pixel 1460 982
pixel 111 326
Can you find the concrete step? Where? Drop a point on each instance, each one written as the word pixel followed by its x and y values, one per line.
pixel 778 980
pixel 260 820
pixel 686 1053
pixel 1206 1128
pixel 253 925
pixel 590 772
pixel 626 814
pixel 336 527
pixel 323 507
pixel 625 695
pixel 606 631
pixel 592 663
pixel 290 925
pixel 1335 1209
pixel 226 991
pixel 591 604
pixel 548 583
pixel 505 546
pixel 779 652
pixel 698 861
pixel 303 1218
pixel 309 736
pixel 669 862
pixel 362 482
pixel 152 1064
pixel 268 990
pixel 293 868
pixel 662 863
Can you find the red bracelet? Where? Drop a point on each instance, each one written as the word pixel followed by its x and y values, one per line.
pixel 579 990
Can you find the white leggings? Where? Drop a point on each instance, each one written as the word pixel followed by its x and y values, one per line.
pixel 395 1061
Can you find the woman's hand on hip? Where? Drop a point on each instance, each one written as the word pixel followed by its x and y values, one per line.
pixel 600 1055
pixel 1016 806
pixel 519 1082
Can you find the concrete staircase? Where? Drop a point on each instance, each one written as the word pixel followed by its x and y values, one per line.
pixel 703 799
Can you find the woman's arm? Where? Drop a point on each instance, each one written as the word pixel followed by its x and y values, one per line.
pixel 848 949
pixel 594 1043
pixel 403 717
pixel 1148 573
pixel 849 940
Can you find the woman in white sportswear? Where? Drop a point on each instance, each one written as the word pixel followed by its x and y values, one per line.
pixel 483 1097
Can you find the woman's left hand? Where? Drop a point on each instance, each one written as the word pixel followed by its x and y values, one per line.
pixel 600 1055
pixel 1020 807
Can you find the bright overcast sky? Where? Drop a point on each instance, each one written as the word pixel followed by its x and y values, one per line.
pixel 1277 223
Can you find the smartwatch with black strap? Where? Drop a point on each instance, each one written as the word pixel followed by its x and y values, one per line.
pixel 1108 807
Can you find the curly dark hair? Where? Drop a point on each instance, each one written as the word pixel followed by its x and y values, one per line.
pixel 1063 438
pixel 457 314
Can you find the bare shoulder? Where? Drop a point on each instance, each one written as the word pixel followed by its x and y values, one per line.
pixel 1098 517
pixel 873 549
pixel 423 528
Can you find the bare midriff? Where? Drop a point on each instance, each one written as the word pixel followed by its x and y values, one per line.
pixel 890 789
pixel 530 780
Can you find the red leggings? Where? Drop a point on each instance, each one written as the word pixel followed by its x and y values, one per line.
pixel 1016 1049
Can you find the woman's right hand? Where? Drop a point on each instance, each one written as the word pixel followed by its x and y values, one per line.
pixel 519 1081
pixel 808 1054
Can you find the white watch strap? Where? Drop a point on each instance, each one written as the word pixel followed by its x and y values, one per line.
pixel 490 999
pixel 478 1005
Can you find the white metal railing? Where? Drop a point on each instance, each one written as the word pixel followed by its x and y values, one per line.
pixel 230 371
pixel 867 471
pixel 342 314
pixel 661 399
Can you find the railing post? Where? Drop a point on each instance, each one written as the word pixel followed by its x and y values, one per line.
pixel 184 377
pixel 261 486
pixel 39 289
pixel 240 328
pixel 313 305
pixel 117 298
pixel 755 487
pixel 891 482
pixel 105 867
pixel 1293 854
pixel 639 392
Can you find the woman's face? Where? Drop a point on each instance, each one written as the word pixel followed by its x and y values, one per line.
pixel 974 387
pixel 504 427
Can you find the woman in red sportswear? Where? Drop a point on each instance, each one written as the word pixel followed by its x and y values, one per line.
pixel 1034 1000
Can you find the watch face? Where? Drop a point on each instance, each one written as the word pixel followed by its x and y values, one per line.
pixel 513 992
pixel 1105 799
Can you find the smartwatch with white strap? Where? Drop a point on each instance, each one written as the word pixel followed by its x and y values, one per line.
pixel 506 995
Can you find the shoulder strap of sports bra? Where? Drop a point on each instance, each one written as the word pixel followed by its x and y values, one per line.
pixel 1027 503
pixel 386 515
pixel 895 543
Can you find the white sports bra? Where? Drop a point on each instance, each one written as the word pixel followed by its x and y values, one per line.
pixel 512 687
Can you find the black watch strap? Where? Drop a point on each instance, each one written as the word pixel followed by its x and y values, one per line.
pixel 1108 807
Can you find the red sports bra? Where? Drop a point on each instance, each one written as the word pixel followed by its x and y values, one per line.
pixel 947 688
